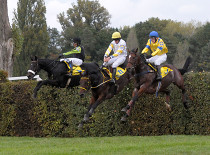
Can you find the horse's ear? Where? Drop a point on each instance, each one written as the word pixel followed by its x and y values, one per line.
pixel 128 50
pixel 35 57
pixel 31 58
pixel 136 50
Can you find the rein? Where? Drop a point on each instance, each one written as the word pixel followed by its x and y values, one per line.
pixel 98 84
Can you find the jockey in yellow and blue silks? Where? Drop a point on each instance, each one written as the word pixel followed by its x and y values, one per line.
pixel 77 54
pixel 159 50
pixel 119 47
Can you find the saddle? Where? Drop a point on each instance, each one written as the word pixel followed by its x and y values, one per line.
pixel 120 70
pixel 77 70
pixel 164 70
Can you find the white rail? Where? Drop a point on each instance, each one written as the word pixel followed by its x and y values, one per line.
pixel 36 77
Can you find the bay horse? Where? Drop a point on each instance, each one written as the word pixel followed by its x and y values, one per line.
pixel 101 89
pixel 145 80
pixel 57 73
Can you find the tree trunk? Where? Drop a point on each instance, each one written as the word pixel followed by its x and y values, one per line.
pixel 6 42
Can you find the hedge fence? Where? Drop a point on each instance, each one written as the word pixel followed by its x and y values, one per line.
pixel 57 112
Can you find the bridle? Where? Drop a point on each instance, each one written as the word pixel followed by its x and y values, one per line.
pixel 34 72
pixel 37 66
pixel 133 64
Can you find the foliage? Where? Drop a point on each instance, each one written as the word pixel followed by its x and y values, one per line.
pixel 30 19
pixel 17 38
pixel 57 112
pixel 3 76
pixel 54 43
pixel 87 20
pixel 199 44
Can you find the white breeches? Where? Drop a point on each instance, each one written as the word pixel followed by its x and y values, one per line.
pixel 158 59
pixel 75 61
pixel 115 62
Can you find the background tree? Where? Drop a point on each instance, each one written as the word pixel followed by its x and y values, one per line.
pixel 54 47
pixel 87 20
pixel 6 41
pixel 30 18
pixel 199 44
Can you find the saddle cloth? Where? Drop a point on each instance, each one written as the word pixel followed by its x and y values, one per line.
pixel 119 72
pixel 165 71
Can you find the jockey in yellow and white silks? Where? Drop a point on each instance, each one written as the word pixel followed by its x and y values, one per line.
pixel 159 50
pixel 119 47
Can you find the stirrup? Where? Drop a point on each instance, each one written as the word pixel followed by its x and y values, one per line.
pixel 112 81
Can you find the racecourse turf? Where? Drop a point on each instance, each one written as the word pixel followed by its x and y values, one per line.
pixel 125 145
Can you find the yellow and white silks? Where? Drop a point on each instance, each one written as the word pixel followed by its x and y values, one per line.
pixel 119 56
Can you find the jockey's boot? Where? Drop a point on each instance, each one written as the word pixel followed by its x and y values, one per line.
pixel 159 78
pixel 71 69
pixel 101 67
pixel 113 76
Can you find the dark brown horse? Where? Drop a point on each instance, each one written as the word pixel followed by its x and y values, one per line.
pixel 101 89
pixel 145 80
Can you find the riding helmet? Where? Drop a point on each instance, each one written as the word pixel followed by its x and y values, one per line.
pixel 77 40
pixel 153 34
pixel 116 35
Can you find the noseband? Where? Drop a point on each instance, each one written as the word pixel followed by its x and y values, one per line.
pixel 31 71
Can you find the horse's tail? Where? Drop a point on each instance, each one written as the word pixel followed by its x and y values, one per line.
pixel 186 65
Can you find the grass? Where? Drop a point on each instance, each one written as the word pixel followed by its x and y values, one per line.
pixel 106 145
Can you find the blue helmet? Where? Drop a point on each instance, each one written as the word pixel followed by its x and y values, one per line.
pixel 153 34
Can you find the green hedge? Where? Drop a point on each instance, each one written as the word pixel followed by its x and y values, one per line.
pixel 57 112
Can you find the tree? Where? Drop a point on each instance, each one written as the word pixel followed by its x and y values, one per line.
pixel 87 20
pixel 30 18
pixel 54 47
pixel 6 41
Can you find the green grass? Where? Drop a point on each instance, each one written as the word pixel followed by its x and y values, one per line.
pixel 106 145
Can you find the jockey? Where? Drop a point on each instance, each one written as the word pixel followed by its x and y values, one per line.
pixel 118 46
pixel 77 53
pixel 159 50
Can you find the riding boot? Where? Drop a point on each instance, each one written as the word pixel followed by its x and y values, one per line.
pixel 113 76
pixel 159 77
pixel 101 67
pixel 71 69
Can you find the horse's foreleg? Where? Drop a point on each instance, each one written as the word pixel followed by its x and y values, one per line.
pixel 133 100
pixel 95 105
pixel 86 116
pixel 41 83
pixel 134 93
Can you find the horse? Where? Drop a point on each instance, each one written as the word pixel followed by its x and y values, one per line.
pixel 57 73
pixel 101 89
pixel 145 80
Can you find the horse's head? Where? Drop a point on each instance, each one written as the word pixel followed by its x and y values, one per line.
pixel 133 61
pixel 34 67
pixel 85 85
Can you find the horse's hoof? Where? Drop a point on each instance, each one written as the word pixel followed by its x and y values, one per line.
pixel 80 126
pixel 123 119
pixel 168 107
pixel 86 118
pixel 125 108
pixel 186 105
pixel 91 111
pixel 34 96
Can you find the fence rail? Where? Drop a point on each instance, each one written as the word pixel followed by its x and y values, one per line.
pixel 36 77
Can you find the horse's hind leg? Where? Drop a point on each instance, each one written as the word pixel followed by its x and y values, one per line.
pixel 167 92
pixel 181 86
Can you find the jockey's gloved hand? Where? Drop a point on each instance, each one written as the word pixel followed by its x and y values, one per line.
pixel 60 55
